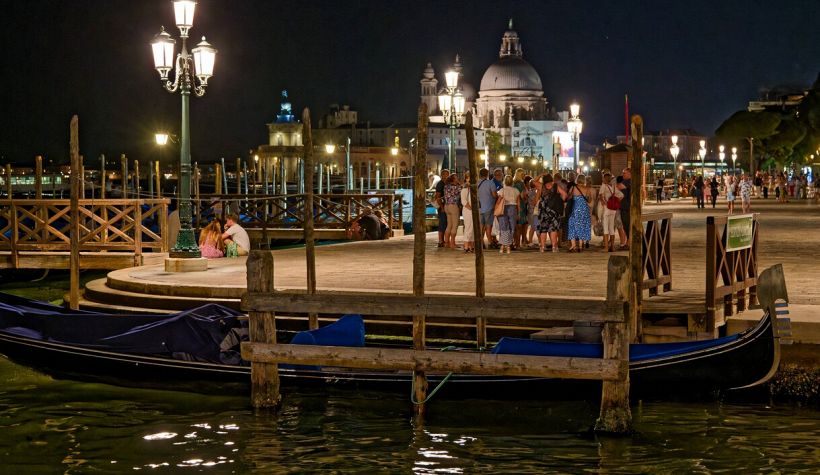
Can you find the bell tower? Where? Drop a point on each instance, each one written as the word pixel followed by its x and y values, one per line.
pixel 429 89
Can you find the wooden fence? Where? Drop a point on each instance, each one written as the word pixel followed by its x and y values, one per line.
pixel 331 211
pixel 731 276
pixel 129 225
pixel 657 252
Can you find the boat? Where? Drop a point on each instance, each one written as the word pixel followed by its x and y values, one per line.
pixel 197 350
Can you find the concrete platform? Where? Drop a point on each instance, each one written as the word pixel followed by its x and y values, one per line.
pixel 788 236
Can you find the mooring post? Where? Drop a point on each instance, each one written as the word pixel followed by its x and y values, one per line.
pixel 310 248
pixel 218 179
pixel 419 243
pixel 262 329
pixel 74 238
pixel 151 180
pixel 38 177
pixel 238 176
pixel 616 416
pixel 478 240
pixel 102 178
pixel 137 190
pixel 636 230
pixel 124 172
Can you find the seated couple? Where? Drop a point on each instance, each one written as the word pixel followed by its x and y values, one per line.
pixel 213 243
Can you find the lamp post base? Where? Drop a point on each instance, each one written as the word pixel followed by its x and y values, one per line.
pixel 189 264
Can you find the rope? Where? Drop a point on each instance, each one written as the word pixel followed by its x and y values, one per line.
pixel 435 390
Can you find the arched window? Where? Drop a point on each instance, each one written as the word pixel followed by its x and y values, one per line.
pixel 490 118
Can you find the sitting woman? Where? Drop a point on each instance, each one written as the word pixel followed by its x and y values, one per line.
pixel 210 241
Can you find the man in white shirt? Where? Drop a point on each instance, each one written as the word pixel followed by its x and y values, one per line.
pixel 234 233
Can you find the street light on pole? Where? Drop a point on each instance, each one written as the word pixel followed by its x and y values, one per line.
pixel 451 102
pixel 192 71
pixel 722 155
pixel 575 126
pixel 674 150
pixel 734 157
pixel 702 154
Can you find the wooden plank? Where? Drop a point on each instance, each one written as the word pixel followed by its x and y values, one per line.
pixel 460 362
pixel 262 330
pixel 310 247
pixel 522 309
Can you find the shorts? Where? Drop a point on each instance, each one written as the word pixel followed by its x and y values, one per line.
pixel 486 218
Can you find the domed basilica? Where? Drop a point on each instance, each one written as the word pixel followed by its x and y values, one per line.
pixel 510 90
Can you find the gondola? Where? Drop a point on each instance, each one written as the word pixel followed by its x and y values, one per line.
pixel 197 350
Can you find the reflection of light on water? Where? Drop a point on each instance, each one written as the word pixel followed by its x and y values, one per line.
pixel 203 425
pixel 439 454
pixel 192 435
pixel 229 427
pixel 160 436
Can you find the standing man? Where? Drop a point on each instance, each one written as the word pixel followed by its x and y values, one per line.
pixel 439 199
pixel 487 195
pixel 626 188
pixel 659 190
pixel 758 183
pixel 745 193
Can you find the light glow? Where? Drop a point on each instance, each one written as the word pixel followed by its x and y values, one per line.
pixel 184 15
pixel 451 78
pixel 161 138
pixel 204 60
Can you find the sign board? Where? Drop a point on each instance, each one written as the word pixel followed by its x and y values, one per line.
pixel 739 232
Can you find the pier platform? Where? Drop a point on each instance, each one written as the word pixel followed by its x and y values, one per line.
pixel 788 235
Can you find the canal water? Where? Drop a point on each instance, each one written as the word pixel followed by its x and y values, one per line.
pixel 56 426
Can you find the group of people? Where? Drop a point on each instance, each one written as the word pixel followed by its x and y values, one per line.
pixel 705 190
pixel 519 211
pixel 234 241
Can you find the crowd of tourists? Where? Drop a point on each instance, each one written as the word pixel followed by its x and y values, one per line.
pixel 738 190
pixel 546 212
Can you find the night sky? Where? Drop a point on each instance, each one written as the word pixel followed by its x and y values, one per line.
pixel 683 64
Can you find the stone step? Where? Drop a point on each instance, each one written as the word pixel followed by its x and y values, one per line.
pixel 99 291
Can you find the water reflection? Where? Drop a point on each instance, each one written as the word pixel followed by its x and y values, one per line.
pixel 51 426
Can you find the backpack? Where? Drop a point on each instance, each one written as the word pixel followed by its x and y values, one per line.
pixel 613 203
pixel 554 201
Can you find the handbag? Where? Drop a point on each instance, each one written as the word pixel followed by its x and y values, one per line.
pixel 598 228
pixel 499 206
pixel 613 202
pixel 570 202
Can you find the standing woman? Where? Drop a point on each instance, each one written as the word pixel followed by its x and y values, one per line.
pixel 521 220
pixel 585 184
pixel 467 215
pixel 550 199
pixel 506 222
pixel 699 191
pixel 452 193
pixel 532 209
pixel 611 210
pixel 579 226
pixel 713 190
pixel 730 194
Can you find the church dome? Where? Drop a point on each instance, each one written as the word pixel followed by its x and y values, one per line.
pixel 511 72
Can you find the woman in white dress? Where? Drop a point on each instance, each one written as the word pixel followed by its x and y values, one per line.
pixel 467 215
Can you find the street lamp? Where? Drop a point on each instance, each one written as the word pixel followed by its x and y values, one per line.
pixel 330 149
pixel 722 155
pixel 702 154
pixel 451 102
pixel 199 64
pixel 674 150
pixel 575 125
pixel 161 138
pixel 734 157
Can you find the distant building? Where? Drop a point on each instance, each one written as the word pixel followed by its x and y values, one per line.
pixel 778 98
pixel 281 156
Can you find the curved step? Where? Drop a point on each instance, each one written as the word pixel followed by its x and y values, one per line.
pixel 99 292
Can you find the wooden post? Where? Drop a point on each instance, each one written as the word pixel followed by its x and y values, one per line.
pixel 481 323
pixel 137 190
pixel 9 186
pixel 124 171
pixel 151 180
pixel 102 178
pixel 158 185
pixel 636 230
pixel 82 178
pixel 615 415
pixel 310 249
pixel 137 231
pixel 419 243
pixel 262 329
pixel 238 176
pixel 218 179
pixel 38 177
pixel 74 260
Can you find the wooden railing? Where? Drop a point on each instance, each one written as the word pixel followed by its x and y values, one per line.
pixel 657 252
pixel 331 211
pixel 731 276
pixel 105 225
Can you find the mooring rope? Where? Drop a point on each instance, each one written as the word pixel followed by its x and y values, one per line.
pixel 435 390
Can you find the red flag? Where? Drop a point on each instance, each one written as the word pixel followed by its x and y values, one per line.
pixel 626 118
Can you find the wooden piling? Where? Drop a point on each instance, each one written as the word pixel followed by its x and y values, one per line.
pixel 419 243
pixel 124 171
pixel 9 186
pixel 264 376
pixel 636 230
pixel 82 178
pixel 478 240
pixel 310 249
pixel 151 180
pixel 158 181
pixel 102 178
pixel 38 177
pixel 74 259
pixel 136 187
pixel 238 176
pixel 218 179
pixel 615 414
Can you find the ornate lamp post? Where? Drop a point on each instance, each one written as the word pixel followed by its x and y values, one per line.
pixel 198 63
pixel 575 126
pixel 702 154
pixel 674 150
pixel 722 155
pixel 451 102
pixel 734 157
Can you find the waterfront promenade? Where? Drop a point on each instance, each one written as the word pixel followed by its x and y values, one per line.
pixel 788 235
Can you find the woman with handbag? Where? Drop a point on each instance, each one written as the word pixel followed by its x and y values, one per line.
pixel 578 230
pixel 507 221
pixel 550 199
pixel 609 197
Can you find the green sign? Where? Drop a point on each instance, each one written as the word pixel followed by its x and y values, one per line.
pixel 739 232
